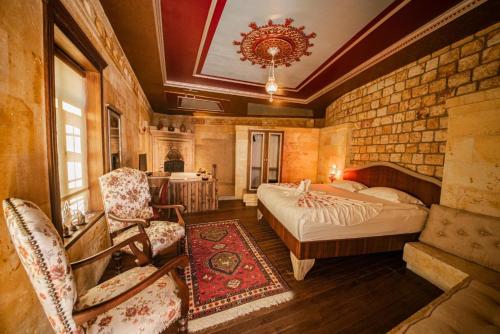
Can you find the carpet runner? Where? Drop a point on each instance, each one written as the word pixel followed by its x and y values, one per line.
pixel 228 275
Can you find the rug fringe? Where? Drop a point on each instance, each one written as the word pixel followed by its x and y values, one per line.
pixel 235 312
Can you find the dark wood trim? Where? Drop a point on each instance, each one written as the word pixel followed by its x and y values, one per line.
pixel 50 110
pixel 60 16
pixel 334 248
pixel 107 136
pixel 113 108
pixel 54 14
pixel 265 154
pixel 63 56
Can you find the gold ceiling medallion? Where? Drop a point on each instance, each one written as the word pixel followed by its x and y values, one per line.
pixel 292 43
pixel 274 45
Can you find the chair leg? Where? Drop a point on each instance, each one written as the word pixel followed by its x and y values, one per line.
pixel 117 257
pixel 182 325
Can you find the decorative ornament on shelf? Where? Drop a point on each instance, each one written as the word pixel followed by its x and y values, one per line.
pixel 144 128
pixel 274 45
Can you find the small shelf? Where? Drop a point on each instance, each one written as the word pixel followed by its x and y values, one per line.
pixel 91 218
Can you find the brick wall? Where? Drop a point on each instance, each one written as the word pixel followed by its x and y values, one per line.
pixel 401 117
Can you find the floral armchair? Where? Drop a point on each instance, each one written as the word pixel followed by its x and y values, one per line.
pixel 126 196
pixel 141 300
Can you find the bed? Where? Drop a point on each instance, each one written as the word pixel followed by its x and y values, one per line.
pixel 388 230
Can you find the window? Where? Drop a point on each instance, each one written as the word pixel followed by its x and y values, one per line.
pixel 73 97
pixel 71 118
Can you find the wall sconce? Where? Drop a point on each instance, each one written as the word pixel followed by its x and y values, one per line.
pixel 144 127
pixel 333 173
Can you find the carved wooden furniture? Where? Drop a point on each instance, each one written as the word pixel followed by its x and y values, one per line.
pixel 196 195
pixel 115 306
pixel 126 197
pixel 303 254
pixel 265 151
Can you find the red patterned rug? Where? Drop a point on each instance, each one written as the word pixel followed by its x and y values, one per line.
pixel 228 275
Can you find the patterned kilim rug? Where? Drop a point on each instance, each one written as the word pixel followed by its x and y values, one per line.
pixel 228 275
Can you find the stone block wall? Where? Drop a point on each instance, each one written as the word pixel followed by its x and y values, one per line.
pixel 471 171
pixel 401 117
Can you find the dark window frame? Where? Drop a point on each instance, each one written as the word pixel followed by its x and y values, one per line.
pixel 55 14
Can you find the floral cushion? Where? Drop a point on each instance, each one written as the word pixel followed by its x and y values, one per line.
pixel 125 192
pixel 150 311
pixel 162 235
pixel 43 256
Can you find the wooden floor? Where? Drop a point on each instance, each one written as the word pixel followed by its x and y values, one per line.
pixel 361 294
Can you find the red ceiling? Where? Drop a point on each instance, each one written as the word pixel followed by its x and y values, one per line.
pixel 184 22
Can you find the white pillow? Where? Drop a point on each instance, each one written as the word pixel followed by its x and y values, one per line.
pixel 351 186
pixel 391 195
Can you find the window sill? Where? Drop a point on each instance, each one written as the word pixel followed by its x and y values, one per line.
pixel 91 218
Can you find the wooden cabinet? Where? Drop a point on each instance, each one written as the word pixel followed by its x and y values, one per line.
pixel 265 152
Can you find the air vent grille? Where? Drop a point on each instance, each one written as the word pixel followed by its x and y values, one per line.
pixel 197 104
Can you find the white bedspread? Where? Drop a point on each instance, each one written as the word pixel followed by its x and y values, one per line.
pixel 329 209
pixel 394 218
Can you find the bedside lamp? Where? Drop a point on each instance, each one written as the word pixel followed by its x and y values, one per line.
pixel 333 173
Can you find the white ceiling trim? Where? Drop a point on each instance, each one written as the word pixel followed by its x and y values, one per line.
pixel 445 18
pixel 242 82
pixel 356 42
pixel 159 38
pixel 265 96
pixel 204 36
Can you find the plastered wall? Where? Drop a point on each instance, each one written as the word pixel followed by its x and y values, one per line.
pixel 216 143
pixel 23 157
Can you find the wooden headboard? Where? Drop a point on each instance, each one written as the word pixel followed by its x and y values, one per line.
pixel 384 174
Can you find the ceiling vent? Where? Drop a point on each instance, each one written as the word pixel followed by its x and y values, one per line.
pixel 194 103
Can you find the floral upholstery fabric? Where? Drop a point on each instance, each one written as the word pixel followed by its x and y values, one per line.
pixel 44 258
pixel 150 311
pixel 162 235
pixel 125 192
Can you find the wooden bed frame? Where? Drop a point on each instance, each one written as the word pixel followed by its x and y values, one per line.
pixel 303 254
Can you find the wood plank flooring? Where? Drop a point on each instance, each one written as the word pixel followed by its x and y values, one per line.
pixel 359 294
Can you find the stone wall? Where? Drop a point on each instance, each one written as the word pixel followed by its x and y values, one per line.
pixel 401 117
pixel 215 139
pixel 23 156
pixel 471 170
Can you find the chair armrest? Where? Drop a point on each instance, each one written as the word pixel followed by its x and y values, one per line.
pixel 137 221
pixel 176 207
pixel 142 258
pixel 85 315
pixel 169 206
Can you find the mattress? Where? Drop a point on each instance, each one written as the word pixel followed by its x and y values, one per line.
pixel 395 218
